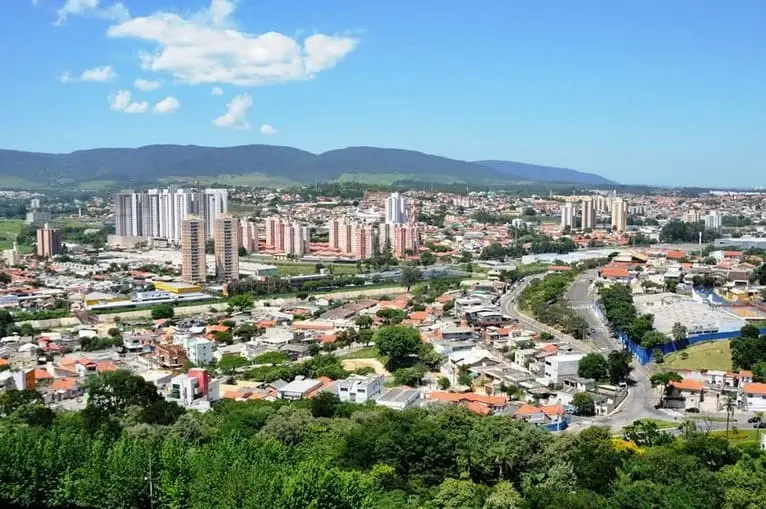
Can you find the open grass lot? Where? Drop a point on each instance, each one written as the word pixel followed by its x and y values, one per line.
pixel 710 355
pixel 368 352
pixel 9 229
pixel 741 436
pixel 287 268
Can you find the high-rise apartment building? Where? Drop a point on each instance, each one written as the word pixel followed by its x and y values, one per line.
pixel 127 214
pixel 588 214
pixel 692 216
pixel 226 238
pixel 619 214
pixel 567 215
pixel 297 238
pixel 158 213
pixel 400 238
pixel 396 209
pixel 193 236
pixel 289 237
pixel 362 244
pixel 713 221
pixel 48 242
pixel 248 236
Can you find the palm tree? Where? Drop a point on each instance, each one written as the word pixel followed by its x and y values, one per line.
pixel 730 405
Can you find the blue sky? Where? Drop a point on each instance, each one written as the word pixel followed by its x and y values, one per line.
pixel 652 92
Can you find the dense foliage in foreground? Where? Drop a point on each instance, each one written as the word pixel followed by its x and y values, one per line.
pixel 128 449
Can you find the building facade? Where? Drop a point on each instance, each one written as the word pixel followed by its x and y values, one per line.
pixel 248 236
pixel 48 242
pixel 193 265
pixel 619 214
pixel 588 214
pixel 396 209
pixel 158 213
pixel 226 238
pixel 567 215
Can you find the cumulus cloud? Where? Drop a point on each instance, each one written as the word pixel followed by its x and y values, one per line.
pixel 146 85
pixel 268 130
pixel 217 91
pixel 116 11
pixel 121 101
pixel 100 74
pixel 66 77
pixel 206 49
pixel 236 113
pixel 167 105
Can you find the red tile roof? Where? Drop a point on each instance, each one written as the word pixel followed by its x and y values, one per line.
pixel 688 385
pixel 754 388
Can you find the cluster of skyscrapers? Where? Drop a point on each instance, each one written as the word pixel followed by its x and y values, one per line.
pixel 158 213
pixel 288 237
pixel 591 207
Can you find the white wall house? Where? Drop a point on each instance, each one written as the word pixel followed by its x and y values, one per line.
pixel 561 365
pixel 359 389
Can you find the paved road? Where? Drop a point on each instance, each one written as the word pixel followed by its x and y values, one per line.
pixel 509 306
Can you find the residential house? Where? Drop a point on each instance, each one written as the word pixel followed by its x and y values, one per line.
pixel 399 398
pixel 687 393
pixel 170 356
pixel 753 397
pixel 360 389
pixel 300 388
pixel 561 365
pixel 478 403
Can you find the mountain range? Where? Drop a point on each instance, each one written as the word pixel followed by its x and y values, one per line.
pixel 154 163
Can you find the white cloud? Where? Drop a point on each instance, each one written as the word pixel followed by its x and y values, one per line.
pixel 100 74
pixel 206 48
pixel 268 130
pixel 217 91
pixel 116 11
pixel 137 107
pixel 167 105
pixel 121 101
pixel 66 77
pixel 236 112
pixel 146 85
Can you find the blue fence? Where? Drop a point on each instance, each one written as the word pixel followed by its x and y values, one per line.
pixel 644 355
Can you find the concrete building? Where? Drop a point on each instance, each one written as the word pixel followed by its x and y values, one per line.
pixel 713 221
pixel 753 397
pixel 226 238
pixel 289 237
pixel 48 242
pixel 248 236
pixel 157 213
pixel 37 217
pixel 588 214
pixel 561 365
pixel 360 389
pixel 619 215
pixel 12 256
pixel 199 351
pixel 692 216
pixel 567 215
pixel 396 209
pixel 400 237
pixel 127 214
pixel 362 246
pixel 193 266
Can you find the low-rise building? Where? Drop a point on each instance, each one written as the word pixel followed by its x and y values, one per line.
pixel 753 398
pixel 360 389
pixel 561 365
pixel 399 398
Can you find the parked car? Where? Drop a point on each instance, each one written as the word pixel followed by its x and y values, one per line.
pixel 754 419
pixel 760 425
pixel 693 410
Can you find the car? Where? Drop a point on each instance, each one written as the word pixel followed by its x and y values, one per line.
pixel 754 419
pixel 693 410
pixel 759 425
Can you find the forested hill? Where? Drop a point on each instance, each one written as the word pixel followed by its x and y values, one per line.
pixel 130 449
pixel 150 163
